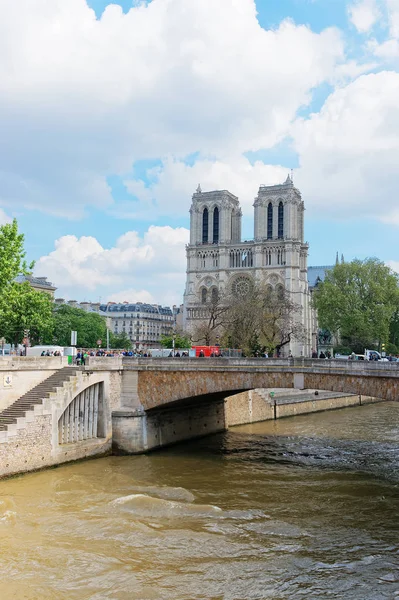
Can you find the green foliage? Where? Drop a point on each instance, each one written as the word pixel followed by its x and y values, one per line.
pixel 357 302
pixel 264 319
pixel 394 329
pixel 181 341
pixel 120 341
pixel 344 350
pixel 90 327
pixel 22 307
pixel 392 349
pixel 12 255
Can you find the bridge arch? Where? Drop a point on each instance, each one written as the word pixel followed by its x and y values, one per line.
pixel 83 418
pixel 161 384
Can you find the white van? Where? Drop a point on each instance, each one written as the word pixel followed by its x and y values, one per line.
pixel 374 355
pixel 38 350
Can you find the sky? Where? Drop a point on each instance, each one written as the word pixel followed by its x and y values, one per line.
pixel 111 114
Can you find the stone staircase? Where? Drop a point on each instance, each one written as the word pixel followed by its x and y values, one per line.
pixel 288 393
pixel 31 402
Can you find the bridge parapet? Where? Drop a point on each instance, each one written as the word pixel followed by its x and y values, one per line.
pixel 293 365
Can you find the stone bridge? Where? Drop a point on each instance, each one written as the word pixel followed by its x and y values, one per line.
pixel 135 405
pixel 169 400
pixel 152 383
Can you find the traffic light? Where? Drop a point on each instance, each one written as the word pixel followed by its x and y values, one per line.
pixel 383 350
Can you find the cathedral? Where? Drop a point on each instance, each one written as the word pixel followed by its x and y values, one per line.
pixel 219 261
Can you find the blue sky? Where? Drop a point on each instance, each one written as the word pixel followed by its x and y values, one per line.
pixel 110 122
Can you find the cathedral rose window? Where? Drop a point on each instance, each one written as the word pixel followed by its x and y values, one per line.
pixel 242 286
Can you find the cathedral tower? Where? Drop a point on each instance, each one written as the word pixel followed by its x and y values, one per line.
pixel 218 261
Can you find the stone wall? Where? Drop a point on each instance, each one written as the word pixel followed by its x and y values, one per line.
pixel 18 375
pixel 248 407
pixel 135 432
pixel 32 443
pixel 251 407
pixel 31 448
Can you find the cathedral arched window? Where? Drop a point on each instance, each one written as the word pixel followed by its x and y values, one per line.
pixel 270 220
pixel 216 225
pixel 280 220
pixel 280 291
pixel 215 295
pixel 268 292
pixel 205 222
pixel 204 295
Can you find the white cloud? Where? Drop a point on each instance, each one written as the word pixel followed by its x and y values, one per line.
pixel 393 15
pixel 131 295
pixel 4 218
pixel 80 266
pixel 174 182
pixel 364 14
pixel 394 264
pixel 387 50
pixel 83 98
pixel 349 152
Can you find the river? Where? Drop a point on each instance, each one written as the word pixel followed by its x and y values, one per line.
pixel 305 507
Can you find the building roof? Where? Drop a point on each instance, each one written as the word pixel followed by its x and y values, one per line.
pixel 36 281
pixel 138 307
pixel 316 274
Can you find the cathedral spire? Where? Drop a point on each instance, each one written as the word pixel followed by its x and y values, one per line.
pixel 337 259
pixel 199 190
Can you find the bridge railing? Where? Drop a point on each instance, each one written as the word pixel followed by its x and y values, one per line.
pixel 300 364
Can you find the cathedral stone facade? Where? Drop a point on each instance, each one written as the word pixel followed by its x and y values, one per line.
pixel 218 261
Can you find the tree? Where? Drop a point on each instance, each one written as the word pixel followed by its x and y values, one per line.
pixel 23 308
pixel 280 321
pixel 90 327
pixel 357 302
pixel 120 341
pixel 261 319
pixel 12 255
pixel 181 341
pixel 214 320
pixel 264 319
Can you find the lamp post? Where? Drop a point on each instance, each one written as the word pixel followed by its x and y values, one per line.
pixel 173 343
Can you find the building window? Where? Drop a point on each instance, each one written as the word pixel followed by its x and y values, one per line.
pixel 280 291
pixel 280 220
pixel 215 295
pixel 270 220
pixel 216 225
pixel 203 296
pixel 205 219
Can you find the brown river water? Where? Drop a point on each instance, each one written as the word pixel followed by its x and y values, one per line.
pixel 305 507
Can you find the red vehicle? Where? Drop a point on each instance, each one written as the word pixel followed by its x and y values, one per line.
pixel 206 351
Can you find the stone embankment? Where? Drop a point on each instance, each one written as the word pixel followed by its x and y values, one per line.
pixel 257 405
pixel 51 414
